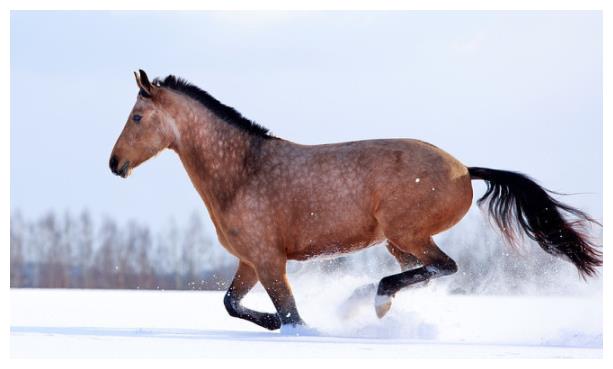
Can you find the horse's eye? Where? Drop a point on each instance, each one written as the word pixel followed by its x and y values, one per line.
pixel 136 118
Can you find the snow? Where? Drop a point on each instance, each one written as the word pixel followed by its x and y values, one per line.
pixel 422 323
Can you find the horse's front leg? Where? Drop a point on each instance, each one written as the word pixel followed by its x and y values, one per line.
pixel 243 282
pixel 273 277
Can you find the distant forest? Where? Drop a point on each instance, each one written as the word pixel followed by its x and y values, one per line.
pixel 70 251
pixel 74 251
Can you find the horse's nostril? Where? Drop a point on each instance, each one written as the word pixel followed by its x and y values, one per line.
pixel 113 164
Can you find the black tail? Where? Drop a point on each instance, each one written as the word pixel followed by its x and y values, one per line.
pixel 516 201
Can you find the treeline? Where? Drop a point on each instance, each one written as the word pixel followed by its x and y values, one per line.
pixel 73 251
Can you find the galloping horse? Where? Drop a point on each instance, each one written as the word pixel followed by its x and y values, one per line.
pixel 272 200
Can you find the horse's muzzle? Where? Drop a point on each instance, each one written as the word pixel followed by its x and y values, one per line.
pixel 113 164
pixel 120 171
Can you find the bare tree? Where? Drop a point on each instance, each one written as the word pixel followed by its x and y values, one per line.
pixel 190 257
pixel 85 250
pixel 17 251
pixel 105 257
pixel 145 268
pixel 172 241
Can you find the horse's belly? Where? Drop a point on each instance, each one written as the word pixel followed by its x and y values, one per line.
pixel 335 238
pixel 330 249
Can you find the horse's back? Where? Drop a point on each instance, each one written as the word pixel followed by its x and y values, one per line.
pixel 395 160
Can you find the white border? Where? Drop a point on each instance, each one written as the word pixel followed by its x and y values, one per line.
pixel 293 5
pixel 306 5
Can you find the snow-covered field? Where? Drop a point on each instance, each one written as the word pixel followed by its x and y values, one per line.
pixel 422 323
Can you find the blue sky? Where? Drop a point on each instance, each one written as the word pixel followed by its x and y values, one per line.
pixel 516 90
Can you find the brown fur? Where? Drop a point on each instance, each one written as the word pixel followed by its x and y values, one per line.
pixel 272 200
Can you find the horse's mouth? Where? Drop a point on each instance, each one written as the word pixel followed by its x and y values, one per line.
pixel 124 171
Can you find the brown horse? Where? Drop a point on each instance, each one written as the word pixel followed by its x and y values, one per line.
pixel 272 200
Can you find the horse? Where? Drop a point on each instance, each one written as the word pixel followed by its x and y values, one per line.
pixel 272 200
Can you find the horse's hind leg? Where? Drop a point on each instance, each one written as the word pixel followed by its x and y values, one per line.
pixel 366 292
pixel 406 260
pixel 435 264
pixel 243 282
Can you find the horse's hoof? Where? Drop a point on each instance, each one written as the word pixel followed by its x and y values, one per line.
pixel 383 303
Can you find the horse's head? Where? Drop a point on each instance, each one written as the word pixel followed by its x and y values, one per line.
pixel 149 129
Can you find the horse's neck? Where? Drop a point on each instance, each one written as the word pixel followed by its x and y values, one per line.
pixel 214 155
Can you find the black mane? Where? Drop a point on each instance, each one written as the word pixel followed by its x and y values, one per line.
pixel 227 113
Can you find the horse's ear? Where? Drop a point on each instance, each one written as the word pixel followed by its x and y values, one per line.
pixel 143 83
